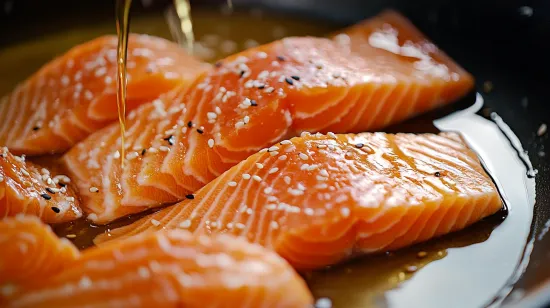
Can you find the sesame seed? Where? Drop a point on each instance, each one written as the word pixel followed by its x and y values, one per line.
pixel 56 209
pixel 200 131
pixel 303 156
pixel 309 211
pixel 260 166
pixel 184 129
pixel 295 77
pixel 70 199
pixel 94 189
pixel 232 184
pixel 164 148
pixel 249 211
pixel 286 142
pixel 542 130
pixel 253 103
pixel 437 174
pixel 345 211
pixel 190 124
pixel 116 155
pixel 359 145
pixel 282 157
pixel 273 148
pixel 257 178
pixel 246 176
pixel 239 124
pixel 153 150
pixel 287 179
pixel 190 196
pixel 155 222
pixel 321 146
pixel 274 153
pixel 246 119
pixel 25 172
pixel 132 155
pixel 295 192
pixel 301 187
pixel 323 303
pixel 52 191
pixel 323 172
pixel 70 235
pixel 268 190
pixel 289 81
pixel 281 58
pixel 273 170
pixel 212 115
pixel 274 225
pixel 46 196
pixel 1 178
pixel 211 143
pixel 304 167
pixel 240 225
pixel 331 135
pixel 36 128
pixel 143 152
pixel 271 206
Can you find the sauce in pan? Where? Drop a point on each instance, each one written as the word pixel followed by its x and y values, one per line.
pixel 472 268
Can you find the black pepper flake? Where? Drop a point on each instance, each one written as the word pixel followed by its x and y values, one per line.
pixel 261 87
pixel 143 152
pixel 218 64
pixel 36 128
pixel 46 196
pixel 190 196
pixel 56 209
pixel 169 139
pixel 190 124
pixel 50 190
pixel 359 145
pixel 295 77
pixel 281 58
pixel 437 174
pixel 200 131
pixel 253 103
pixel 289 81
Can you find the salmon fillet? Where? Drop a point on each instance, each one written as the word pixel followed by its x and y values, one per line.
pixel 247 102
pixel 75 94
pixel 30 250
pixel 26 188
pixel 319 199
pixel 172 269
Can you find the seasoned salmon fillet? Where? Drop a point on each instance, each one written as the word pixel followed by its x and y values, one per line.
pixel 249 101
pixel 171 269
pixel 26 188
pixel 319 199
pixel 75 94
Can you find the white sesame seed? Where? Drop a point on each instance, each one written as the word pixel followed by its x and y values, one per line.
pixel 257 178
pixel 295 192
pixel 185 224
pixel 230 225
pixel 286 142
pixel 212 115
pixel 345 211
pixel 331 135
pixel 301 187
pixel 321 186
pixel 218 110
pixel 153 150
pixel 261 55
pixel 305 134
pixel 323 172
pixel 239 124
pixel 282 157
pixel 88 95
pixel 232 183
pixel 274 225
pixel 323 303
pixel 542 130
pixel 287 179
pixel 259 166
pixel 240 225
pixel 308 211
pixel 144 272
pixel 246 119
pixel 274 153
pixel 164 148
pixel 321 146
pixel 304 167
pixel 313 167
pixel 132 155
pixel 304 156
pixel 263 150
pixel 321 178
pixel 246 176
pixel 268 190
pixel 65 80
pixel 94 189
pixel 273 148
pixel 249 211
pixel 85 282
pixel 25 173
pixel 273 170
pixel 271 206
pixel 211 143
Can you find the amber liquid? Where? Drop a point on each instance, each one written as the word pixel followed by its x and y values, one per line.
pixel 183 9
pixel 123 29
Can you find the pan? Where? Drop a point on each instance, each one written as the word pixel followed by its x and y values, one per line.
pixel 504 261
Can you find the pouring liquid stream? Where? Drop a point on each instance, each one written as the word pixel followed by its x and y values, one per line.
pixel 123 28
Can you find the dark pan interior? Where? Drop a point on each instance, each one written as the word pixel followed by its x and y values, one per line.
pixel 497 41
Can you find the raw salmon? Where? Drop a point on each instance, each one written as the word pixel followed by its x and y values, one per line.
pixel 172 269
pixel 247 102
pixel 75 94
pixel 30 251
pixel 319 199
pixel 26 188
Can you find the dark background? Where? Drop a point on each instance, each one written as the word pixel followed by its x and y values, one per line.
pixel 492 39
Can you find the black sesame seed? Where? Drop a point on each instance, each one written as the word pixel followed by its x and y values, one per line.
pixel 46 196
pixel 295 77
pixel 169 139
pixel 143 152
pixel 200 131
pixel 289 81
pixel 190 124
pixel 437 174
pixel 190 196
pixel 261 87
pixel 281 58
pixel 61 184
pixel 241 74
pixel 359 145
pixel 56 209
pixel 218 64
pixel 50 190
pixel 253 103
pixel 36 128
